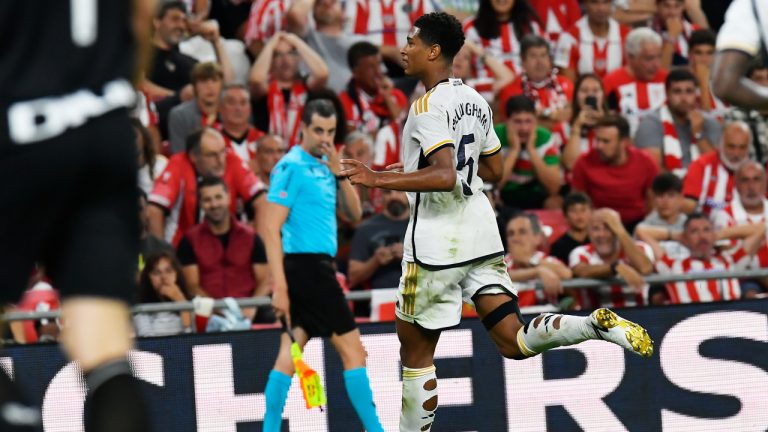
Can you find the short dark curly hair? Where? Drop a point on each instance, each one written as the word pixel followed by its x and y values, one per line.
pixel 442 29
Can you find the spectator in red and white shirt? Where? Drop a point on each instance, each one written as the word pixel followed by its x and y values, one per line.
pixel 174 198
pixel 526 264
pixel 679 132
pixel 557 16
pixel 671 24
pixel 612 252
pixel 370 99
pixel 267 18
pixel 275 77
pixel 384 23
pixel 748 207
pixel 235 127
pixel 699 237
pixel 594 44
pixel 488 86
pixel 539 81
pixel 498 27
pixel 638 87
pixel 588 106
pixel 269 150
pixel 709 184
pixel 615 174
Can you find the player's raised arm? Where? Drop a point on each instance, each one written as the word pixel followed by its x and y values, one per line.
pixel 439 176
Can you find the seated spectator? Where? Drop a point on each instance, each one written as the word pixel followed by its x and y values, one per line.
pixel 589 105
pixel 500 26
pixel 526 264
pixel 377 247
pixel 539 81
pixel 279 92
pixel 370 100
pixel 756 120
pixel 149 244
pixel 162 281
pixel 592 45
pixel 239 135
pixel 222 257
pixel 667 213
pixel 174 207
pixel 203 110
pixel 531 176
pixel 709 182
pixel 615 174
pixel 612 252
pixel 699 237
pixel 150 163
pixel 748 207
pixel 638 87
pixel 327 37
pixel 675 30
pixel 677 133
pixel 557 16
pixel 577 209
pixel 488 87
pixel 701 56
pixel 168 79
pixel 269 150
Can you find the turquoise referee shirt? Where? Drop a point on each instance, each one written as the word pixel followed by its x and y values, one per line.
pixel 306 186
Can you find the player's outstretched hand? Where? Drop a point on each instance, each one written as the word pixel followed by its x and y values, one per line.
pixel 358 173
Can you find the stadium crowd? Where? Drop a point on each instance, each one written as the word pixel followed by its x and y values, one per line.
pixel 619 161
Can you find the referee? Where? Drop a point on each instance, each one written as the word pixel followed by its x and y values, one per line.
pixel 299 231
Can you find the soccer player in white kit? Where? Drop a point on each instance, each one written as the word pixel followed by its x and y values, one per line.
pixel 741 39
pixel 453 250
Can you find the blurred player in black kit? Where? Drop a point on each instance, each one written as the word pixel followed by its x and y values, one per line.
pixel 68 175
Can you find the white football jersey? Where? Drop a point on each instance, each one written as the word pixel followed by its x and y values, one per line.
pixel 448 229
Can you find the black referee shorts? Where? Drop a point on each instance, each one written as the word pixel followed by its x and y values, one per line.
pixel 70 203
pixel 317 301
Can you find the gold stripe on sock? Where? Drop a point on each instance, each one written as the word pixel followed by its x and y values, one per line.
pixel 416 373
pixel 523 347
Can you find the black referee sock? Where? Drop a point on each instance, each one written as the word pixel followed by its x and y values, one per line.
pixel 114 402
pixel 15 414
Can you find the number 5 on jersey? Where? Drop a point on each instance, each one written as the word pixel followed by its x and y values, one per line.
pixel 463 162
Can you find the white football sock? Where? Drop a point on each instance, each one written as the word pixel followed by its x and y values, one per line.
pixel 419 399
pixel 549 331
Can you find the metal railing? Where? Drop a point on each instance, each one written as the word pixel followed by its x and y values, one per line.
pixel 366 295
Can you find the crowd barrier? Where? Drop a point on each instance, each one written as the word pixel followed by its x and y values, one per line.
pixel 709 373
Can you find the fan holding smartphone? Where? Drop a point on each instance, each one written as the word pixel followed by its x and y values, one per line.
pixel 588 107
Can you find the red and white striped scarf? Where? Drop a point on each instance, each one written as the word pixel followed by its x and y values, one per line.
pixel 672 149
pixel 531 90
pixel 284 120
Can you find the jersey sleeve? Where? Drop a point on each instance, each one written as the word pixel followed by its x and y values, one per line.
pixel 247 184
pixel 647 250
pixel 167 187
pixel 491 145
pixel 432 131
pixel 578 256
pixel 738 259
pixel 285 185
pixel 566 51
pixel 721 219
pixel 740 30
pixel 664 265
